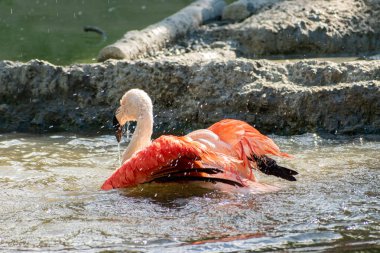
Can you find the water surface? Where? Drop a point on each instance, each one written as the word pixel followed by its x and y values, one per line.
pixel 52 30
pixel 50 201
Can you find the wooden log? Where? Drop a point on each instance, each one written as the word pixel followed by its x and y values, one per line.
pixel 156 36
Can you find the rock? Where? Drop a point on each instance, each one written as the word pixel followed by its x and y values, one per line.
pixel 242 9
pixel 192 92
pixel 219 44
pixel 302 27
pixel 370 57
pixel 236 11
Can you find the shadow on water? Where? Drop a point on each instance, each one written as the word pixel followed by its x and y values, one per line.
pixel 171 195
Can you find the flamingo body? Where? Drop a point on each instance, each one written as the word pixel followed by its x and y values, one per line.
pixel 227 152
pixel 171 158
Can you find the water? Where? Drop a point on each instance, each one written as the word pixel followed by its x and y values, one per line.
pixel 50 201
pixel 52 30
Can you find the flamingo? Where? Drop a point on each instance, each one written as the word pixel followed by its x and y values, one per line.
pixel 226 153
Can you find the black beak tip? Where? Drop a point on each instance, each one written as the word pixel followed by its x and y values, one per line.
pixel 117 128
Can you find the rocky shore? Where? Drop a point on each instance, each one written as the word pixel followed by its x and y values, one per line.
pixel 283 98
pixel 212 73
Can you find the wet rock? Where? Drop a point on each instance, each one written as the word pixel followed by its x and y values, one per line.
pixel 194 91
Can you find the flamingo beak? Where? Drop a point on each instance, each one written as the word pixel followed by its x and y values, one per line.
pixel 118 129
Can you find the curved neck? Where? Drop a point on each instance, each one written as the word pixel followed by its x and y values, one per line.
pixel 141 136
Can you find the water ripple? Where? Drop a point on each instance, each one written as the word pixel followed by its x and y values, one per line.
pixel 51 201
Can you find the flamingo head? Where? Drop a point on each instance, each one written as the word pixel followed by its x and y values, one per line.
pixel 133 105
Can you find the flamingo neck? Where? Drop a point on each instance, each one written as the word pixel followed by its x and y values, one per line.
pixel 142 136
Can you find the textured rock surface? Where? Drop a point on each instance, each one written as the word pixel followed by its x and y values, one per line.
pixel 242 9
pixel 285 98
pixel 304 27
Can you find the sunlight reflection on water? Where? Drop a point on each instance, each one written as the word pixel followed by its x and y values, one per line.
pixel 51 200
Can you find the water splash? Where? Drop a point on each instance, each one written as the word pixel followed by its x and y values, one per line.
pixel 127 138
pixel 118 150
pixel 128 133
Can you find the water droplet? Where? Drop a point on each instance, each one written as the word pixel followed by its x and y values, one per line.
pixel 118 149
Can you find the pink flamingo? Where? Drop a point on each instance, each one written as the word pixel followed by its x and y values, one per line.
pixel 224 154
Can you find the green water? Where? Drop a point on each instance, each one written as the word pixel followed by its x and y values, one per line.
pixel 52 30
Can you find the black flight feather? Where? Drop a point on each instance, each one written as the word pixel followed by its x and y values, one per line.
pixel 185 178
pixel 269 166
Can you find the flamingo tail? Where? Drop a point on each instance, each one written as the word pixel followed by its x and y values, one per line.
pixel 269 166
pixel 252 148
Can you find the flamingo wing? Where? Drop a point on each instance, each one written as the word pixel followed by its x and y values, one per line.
pixel 252 147
pixel 171 158
pixel 245 139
